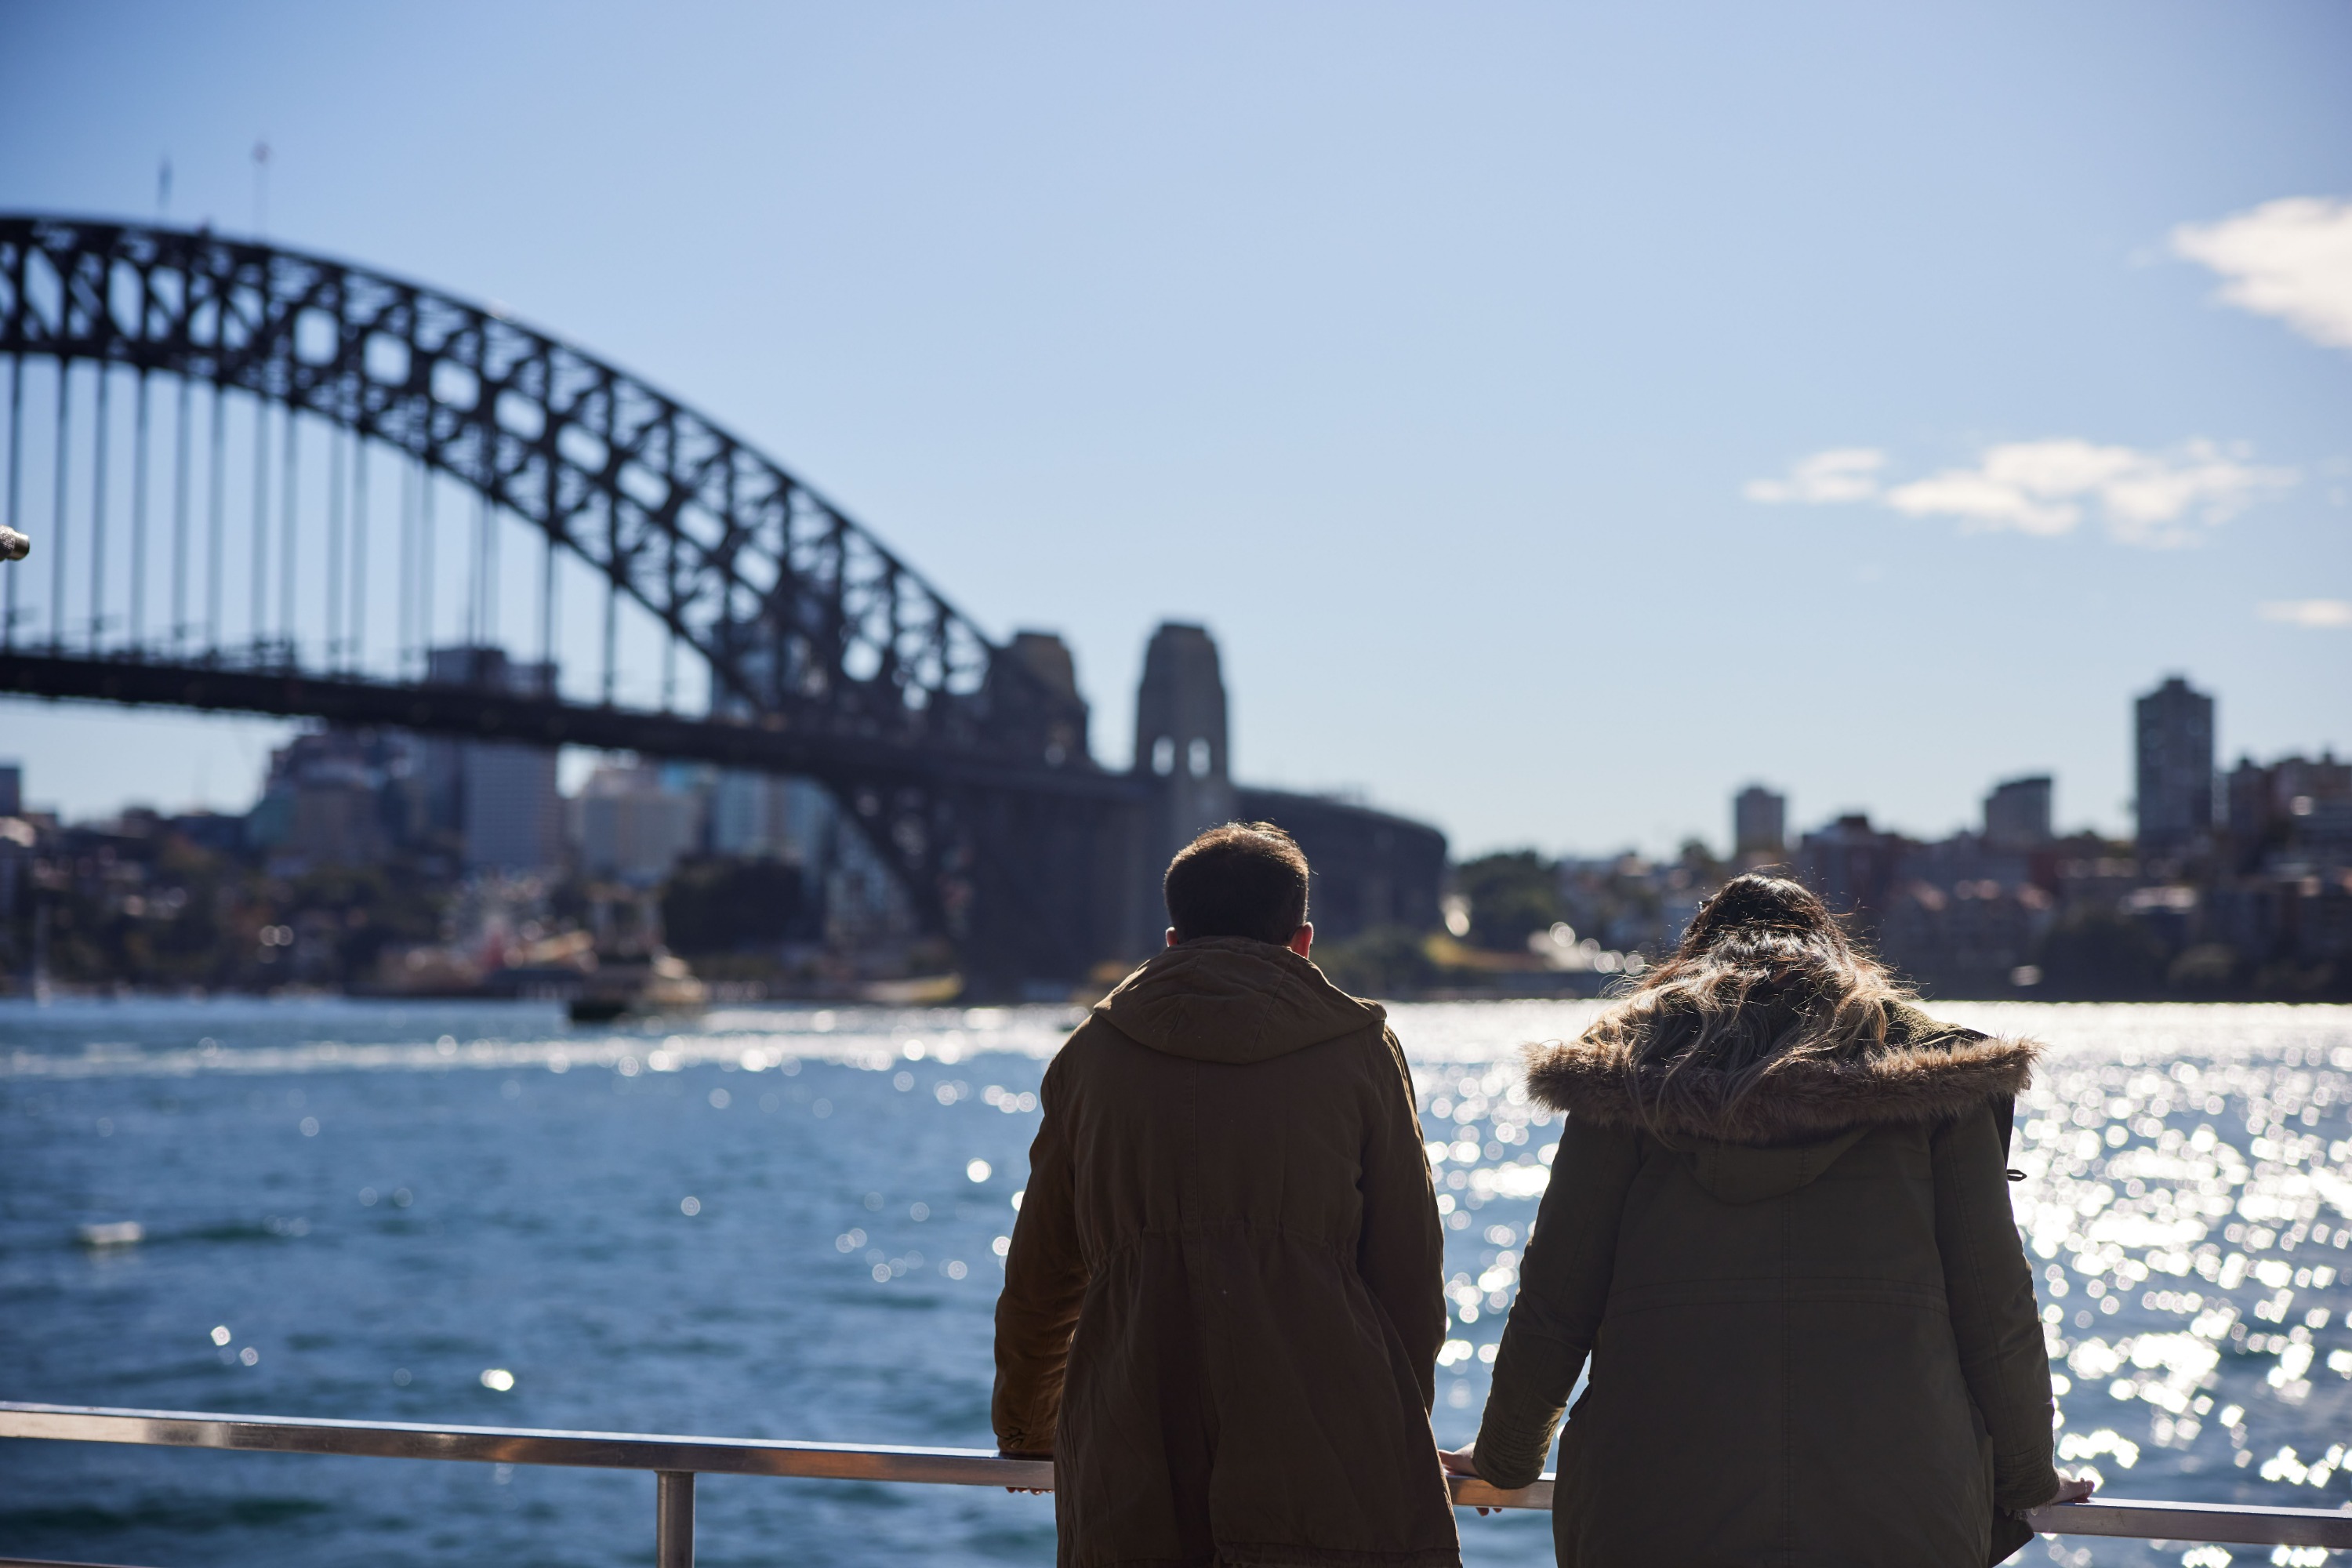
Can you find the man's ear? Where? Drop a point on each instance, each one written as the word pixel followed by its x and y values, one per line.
pixel 1171 936
pixel 1302 940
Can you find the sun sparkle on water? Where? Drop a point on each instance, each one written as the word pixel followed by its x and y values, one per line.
pixel 2186 1207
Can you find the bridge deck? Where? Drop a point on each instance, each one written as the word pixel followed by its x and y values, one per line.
pixel 775 743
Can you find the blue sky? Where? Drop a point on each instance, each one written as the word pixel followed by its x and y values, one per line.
pixel 1470 371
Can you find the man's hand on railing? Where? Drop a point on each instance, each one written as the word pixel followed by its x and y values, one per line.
pixel 2071 1489
pixel 1033 1492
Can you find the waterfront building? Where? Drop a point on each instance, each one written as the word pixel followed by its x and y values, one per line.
pixel 2247 808
pixel 633 826
pixel 1759 825
pixel 17 840
pixel 852 895
pixel 214 832
pixel 1964 860
pixel 1972 938
pixel 497 798
pixel 513 814
pixel 2293 813
pixel 768 816
pixel 1850 864
pixel 333 797
pixel 2017 814
pixel 2173 803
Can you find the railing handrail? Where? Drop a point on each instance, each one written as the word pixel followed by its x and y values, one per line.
pixel 523 1446
pixel 672 1456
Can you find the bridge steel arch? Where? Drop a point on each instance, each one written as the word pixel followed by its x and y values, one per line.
pixel 829 655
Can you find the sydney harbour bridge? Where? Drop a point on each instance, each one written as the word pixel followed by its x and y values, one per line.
pixel 229 455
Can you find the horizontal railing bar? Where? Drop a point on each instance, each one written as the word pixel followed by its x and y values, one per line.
pixel 2234 1522
pixel 524 1446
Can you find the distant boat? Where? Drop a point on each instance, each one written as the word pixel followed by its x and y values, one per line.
pixel 662 984
pixel 115 1233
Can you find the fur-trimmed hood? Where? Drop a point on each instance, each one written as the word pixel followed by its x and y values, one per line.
pixel 1924 1072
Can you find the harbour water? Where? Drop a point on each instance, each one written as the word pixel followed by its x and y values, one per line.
pixel 788 1223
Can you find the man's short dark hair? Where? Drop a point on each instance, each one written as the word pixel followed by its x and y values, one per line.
pixel 1244 878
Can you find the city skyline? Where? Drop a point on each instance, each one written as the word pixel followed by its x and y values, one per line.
pixel 1483 453
pixel 2177 771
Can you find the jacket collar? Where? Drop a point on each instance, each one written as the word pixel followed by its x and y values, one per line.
pixel 1925 1071
pixel 1229 999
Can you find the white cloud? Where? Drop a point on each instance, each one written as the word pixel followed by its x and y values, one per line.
pixel 1845 473
pixel 2291 258
pixel 2047 487
pixel 2320 615
pixel 2033 487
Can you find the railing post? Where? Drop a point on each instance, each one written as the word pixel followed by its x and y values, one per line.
pixel 674 1519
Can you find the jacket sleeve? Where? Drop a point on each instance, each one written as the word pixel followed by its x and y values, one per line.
pixel 1563 1288
pixel 1990 1286
pixel 1044 1281
pixel 1400 1251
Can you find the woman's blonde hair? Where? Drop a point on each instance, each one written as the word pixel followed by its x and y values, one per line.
pixel 1763 977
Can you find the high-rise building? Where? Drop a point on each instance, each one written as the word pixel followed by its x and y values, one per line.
pixel 499 797
pixel 1759 825
pixel 513 813
pixel 2017 814
pixel 769 816
pixel 12 789
pixel 2173 801
pixel 633 826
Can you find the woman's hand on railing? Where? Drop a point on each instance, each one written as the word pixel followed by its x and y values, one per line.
pixel 1462 1461
pixel 2071 1489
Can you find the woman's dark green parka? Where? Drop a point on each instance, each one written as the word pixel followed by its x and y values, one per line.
pixel 1811 1322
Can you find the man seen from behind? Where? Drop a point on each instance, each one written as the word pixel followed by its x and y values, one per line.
pixel 1223 1303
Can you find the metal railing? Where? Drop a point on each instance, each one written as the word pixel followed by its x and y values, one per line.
pixel 676 1461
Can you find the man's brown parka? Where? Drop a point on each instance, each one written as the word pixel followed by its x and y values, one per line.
pixel 1223 1303
pixel 1811 1324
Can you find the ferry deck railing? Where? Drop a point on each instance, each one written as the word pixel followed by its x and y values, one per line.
pixel 676 1461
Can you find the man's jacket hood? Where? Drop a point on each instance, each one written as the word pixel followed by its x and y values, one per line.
pixel 1790 1124
pixel 1231 1000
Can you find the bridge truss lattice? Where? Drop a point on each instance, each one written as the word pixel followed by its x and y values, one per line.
pixel 826 654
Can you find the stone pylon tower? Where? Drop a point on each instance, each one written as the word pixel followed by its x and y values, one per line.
pixel 1180 746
